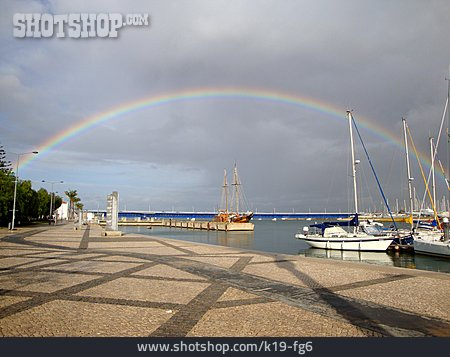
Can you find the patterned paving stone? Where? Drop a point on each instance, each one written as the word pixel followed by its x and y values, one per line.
pixel 94 266
pixel 311 274
pixel 69 318
pixel 270 319
pixel 236 294
pixel 9 300
pixel 206 249
pixel 165 271
pixel 14 261
pixel 43 262
pixel 18 252
pixel 147 290
pixel 119 258
pixel 40 281
pixel 433 299
pixel 225 262
pixel 153 250
pixel 125 243
pixel 49 254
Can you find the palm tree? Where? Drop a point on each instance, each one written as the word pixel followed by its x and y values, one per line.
pixel 72 195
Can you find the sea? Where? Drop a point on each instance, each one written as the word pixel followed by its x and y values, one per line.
pixel 279 237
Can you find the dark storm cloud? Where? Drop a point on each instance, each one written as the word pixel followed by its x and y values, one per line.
pixel 384 59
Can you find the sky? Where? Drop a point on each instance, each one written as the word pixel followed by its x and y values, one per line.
pixel 382 59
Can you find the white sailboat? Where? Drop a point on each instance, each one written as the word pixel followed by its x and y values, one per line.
pixel 435 241
pixel 332 235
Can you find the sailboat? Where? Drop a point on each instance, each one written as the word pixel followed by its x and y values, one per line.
pixel 230 213
pixel 404 239
pixel 435 240
pixel 360 237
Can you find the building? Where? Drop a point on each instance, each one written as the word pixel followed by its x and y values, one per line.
pixel 63 211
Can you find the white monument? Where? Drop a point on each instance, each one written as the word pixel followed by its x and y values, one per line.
pixel 112 213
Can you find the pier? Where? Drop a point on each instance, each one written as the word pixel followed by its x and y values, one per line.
pixel 208 226
pixel 187 224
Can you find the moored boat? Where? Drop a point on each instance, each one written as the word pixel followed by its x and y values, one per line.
pixel 234 219
pixel 357 237
pixel 432 243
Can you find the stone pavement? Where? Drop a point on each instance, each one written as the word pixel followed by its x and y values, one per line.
pixel 57 281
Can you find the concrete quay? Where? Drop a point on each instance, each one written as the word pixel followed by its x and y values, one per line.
pixel 208 226
pixel 57 281
pixel 188 224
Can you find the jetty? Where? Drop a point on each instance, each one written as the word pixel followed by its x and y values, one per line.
pixel 187 224
pixel 208 226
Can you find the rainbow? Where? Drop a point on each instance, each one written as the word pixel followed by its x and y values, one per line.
pixel 120 111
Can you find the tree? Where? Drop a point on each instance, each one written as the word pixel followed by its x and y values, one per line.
pixel 6 188
pixel 72 195
pixel 30 205
pixel 43 203
pixel 5 165
pixel 27 202
pixel 6 197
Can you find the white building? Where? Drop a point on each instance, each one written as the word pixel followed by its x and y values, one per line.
pixel 63 211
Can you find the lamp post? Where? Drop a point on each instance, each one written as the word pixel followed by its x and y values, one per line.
pixel 15 185
pixel 51 196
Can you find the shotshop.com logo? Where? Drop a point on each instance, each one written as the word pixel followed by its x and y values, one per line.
pixel 74 25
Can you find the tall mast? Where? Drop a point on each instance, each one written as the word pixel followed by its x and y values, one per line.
pixel 225 189
pixel 433 182
pixel 236 188
pixel 349 114
pixel 448 138
pixel 408 171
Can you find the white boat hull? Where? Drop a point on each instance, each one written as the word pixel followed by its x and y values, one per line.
pixel 347 243
pixel 431 247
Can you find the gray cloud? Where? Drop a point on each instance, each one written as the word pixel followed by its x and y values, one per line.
pixel 384 59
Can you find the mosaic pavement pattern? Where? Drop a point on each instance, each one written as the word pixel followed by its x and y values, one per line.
pixel 57 281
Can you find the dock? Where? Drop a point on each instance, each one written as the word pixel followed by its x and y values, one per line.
pixel 57 281
pixel 188 224
pixel 208 226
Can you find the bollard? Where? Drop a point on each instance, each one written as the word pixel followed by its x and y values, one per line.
pixel 446 229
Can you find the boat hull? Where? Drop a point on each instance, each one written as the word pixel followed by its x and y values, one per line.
pixel 437 248
pixel 348 243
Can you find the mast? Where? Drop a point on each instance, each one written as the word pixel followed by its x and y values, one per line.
pixel 433 182
pixel 349 114
pixel 448 139
pixel 408 170
pixel 225 190
pixel 236 188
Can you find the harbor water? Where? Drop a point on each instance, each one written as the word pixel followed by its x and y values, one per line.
pixel 278 237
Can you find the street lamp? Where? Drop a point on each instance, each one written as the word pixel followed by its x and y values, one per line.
pixel 51 196
pixel 15 185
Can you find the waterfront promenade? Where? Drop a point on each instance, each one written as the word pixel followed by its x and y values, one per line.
pixel 57 281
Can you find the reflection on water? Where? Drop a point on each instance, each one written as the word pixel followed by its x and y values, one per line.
pixel 278 237
pixel 243 240
pixel 389 258
pixel 354 256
